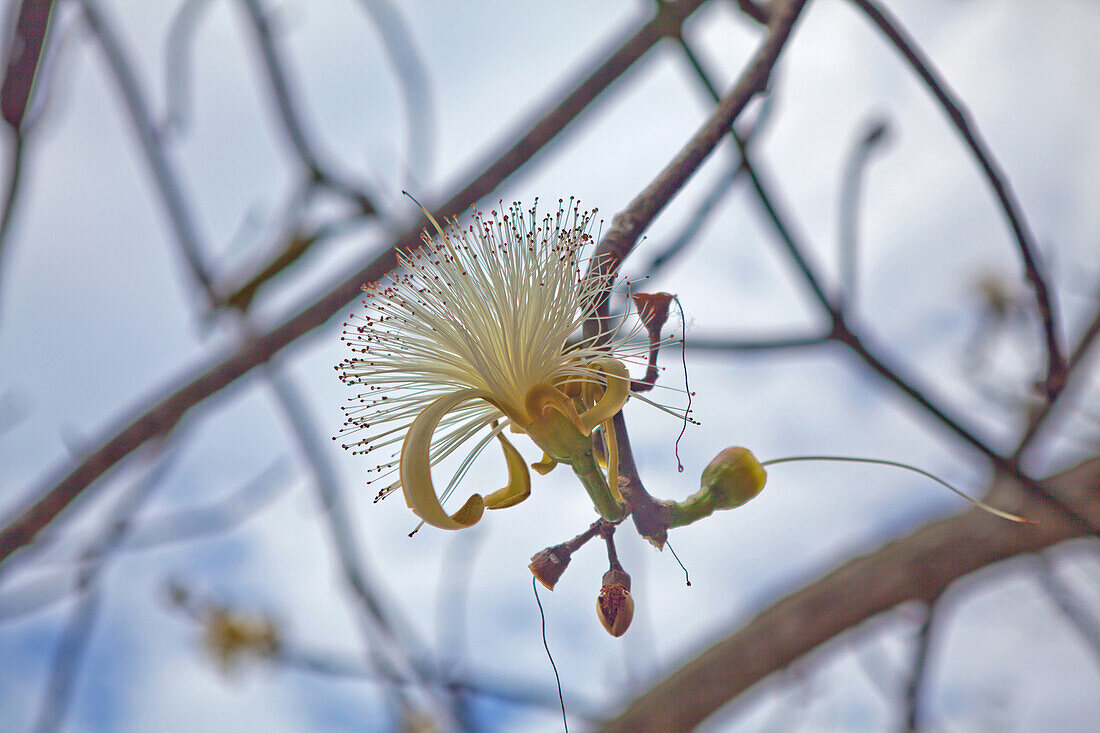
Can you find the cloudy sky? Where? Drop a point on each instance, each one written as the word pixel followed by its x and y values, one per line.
pixel 97 314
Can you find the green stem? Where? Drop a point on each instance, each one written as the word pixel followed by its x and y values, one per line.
pixel 588 471
pixel 701 504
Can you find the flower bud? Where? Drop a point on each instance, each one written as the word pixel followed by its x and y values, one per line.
pixel 614 606
pixel 547 566
pixel 733 477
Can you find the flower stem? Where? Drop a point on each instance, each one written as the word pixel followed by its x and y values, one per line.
pixel 588 471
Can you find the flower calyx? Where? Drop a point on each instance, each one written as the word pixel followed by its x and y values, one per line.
pixel 614 605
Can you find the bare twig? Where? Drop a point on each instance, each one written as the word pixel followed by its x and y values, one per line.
pixel 59 490
pixel 180 216
pixel 279 81
pixel 12 179
pixel 74 640
pixel 918 677
pixel 998 181
pixel 874 134
pixel 1079 355
pixel 176 67
pixel 23 55
pixel 1084 623
pixel 412 76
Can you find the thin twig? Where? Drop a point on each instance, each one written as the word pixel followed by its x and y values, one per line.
pixel 998 181
pixel 1074 376
pixel 775 343
pixel 74 639
pixel 873 135
pixel 12 180
pixel 279 82
pixel 1084 623
pixel 180 216
pixel 918 677
pixel 177 76
pixel 414 81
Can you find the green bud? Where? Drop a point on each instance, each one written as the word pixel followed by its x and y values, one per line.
pixel 733 477
pixel 730 480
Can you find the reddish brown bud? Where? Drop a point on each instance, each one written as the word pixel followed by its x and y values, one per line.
pixel 614 606
pixel 548 565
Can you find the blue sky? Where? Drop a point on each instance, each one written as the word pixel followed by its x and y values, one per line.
pixel 96 315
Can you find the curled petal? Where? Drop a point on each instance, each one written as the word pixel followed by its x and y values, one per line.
pixel 519 479
pixel 614 396
pixel 545 466
pixel 542 398
pixel 612 460
pixel 416 467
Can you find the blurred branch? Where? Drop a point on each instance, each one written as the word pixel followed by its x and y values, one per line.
pixel 181 32
pixel 412 77
pixel 167 180
pixel 720 343
pixel 376 623
pixel 918 566
pixel 755 9
pixel 876 132
pixel 67 482
pixel 1084 623
pixel 842 330
pixel 914 692
pixel 74 639
pixel 998 181
pixel 24 52
pixel 23 55
pixel 153 532
pixel 12 180
pixel 278 80
pixel 1075 375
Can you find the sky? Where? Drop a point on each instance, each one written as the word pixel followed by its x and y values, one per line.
pixel 97 314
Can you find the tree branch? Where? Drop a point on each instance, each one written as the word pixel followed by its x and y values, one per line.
pixel 998 181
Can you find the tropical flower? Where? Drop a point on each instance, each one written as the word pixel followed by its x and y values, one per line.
pixel 470 337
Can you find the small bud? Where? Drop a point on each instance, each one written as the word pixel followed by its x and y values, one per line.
pixel 615 607
pixel 547 566
pixel 733 477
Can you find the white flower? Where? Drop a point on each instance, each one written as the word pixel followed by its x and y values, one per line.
pixel 469 337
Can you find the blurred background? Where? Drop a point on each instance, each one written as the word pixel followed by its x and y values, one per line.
pixel 185 177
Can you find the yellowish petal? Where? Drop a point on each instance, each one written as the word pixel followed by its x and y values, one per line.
pixel 612 460
pixel 545 466
pixel 614 396
pixel 416 469
pixel 519 479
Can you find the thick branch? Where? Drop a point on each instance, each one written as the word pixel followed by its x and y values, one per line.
pixel 918 567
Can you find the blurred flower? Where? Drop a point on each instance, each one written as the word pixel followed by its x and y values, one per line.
pixel 470 337
pixel 231 636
